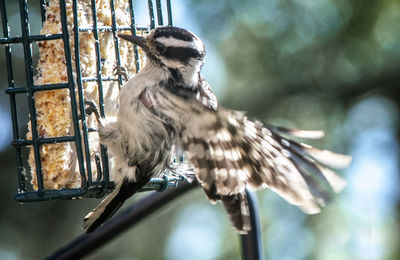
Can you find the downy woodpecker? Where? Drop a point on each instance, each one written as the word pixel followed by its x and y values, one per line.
pixel 168 108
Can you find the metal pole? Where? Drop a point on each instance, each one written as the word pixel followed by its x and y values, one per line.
pixel 252 242
pixel 87 243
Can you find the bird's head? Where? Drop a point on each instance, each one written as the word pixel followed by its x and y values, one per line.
pixel 172 47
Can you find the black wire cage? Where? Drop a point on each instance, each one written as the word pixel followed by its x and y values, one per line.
pixel 90 185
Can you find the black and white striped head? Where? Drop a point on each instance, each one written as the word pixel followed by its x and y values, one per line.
pixel 172 47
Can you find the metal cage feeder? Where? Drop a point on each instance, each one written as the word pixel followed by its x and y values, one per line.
pixel 91 186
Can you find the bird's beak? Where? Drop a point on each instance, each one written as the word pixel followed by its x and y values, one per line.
pixel 138 40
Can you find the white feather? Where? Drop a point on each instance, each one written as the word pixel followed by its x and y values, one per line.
pixel 173 42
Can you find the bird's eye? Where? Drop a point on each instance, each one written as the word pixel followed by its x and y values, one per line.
pixel 160 48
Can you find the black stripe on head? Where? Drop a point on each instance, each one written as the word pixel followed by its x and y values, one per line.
pixel 174 32
pixel 182 54
pixel 176 86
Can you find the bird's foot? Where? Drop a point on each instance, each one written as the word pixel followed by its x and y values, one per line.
pixel 90 108
pixel 121 71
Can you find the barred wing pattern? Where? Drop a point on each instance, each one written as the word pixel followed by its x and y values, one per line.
pixel 206 96
pixel 230 152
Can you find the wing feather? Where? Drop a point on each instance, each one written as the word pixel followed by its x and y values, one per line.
pixel 230 151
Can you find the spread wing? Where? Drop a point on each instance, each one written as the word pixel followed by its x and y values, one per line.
pixel 230 151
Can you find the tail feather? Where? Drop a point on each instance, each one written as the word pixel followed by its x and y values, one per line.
pixel 238 210
pixel 95 214
pixel 107 208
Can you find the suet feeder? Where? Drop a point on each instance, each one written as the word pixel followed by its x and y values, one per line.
pixel 93 25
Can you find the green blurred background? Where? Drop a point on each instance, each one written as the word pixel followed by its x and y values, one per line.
pixel 323 64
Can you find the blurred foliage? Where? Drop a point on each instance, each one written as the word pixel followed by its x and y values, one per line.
pixel 324 64
pixel 334 51
pixel 307 64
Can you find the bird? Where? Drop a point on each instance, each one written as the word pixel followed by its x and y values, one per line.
pixel 168 110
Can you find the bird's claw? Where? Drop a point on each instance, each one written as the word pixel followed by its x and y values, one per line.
pixel 91 107
pixel 121 71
